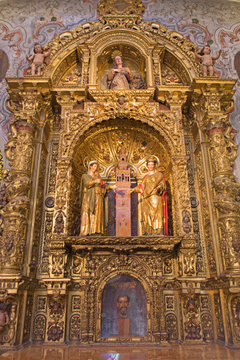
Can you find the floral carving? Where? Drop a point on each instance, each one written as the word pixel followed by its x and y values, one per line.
pixel 192 326
pixel 75 327
pixel 55 331
pixel 39 328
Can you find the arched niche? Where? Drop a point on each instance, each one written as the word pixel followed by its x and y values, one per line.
pixel 124 308
pixel 123 40
pixel 173 71
pixel 132 58
pixel 89 42
pixel 69 71
pixel 103 143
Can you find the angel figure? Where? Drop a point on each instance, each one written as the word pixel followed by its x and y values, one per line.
pixel 207 60
pixel 37 59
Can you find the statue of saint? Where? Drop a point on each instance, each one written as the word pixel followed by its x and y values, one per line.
pixel 154 201
pixel 119 77
pixel 92 191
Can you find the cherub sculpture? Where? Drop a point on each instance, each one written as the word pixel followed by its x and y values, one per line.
pixel 207 60
pixel 37 59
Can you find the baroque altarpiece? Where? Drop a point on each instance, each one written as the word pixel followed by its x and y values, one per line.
pixel 59 286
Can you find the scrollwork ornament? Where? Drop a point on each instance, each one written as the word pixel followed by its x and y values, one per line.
pixel 192 325
pixel 223 151
pixel 207 327
pixel 75 328
pixel 171 327
pixel 8 308
pixel 39 328
pixel 57 264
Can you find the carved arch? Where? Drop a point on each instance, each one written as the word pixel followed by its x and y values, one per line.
pixel 142 268
pixel 94 37
pixel 99 141
pixel 172 141
pixel 122 38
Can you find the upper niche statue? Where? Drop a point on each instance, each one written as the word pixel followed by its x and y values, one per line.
pixel 119 77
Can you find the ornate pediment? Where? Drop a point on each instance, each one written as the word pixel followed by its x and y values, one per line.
pixel 120 8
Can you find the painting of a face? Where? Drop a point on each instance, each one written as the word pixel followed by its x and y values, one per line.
pixel 122 305
pixel 123 298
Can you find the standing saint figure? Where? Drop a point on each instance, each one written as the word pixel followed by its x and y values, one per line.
pixel 92 192
pixel 154 218
pixel 91 198
pixel 119 77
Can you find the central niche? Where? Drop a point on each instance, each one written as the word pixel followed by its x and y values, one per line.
pixel 124 309
pixel 103 143
pixel 131 57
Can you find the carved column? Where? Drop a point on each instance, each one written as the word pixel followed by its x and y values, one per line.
pixel 223 152
pixel 25 102
pixel 208 223
pixel 20 153
pixel 18 186
pixel 176 99
pixel 62 197
pixel 182 196
pixel 223 208
pixel 63 181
